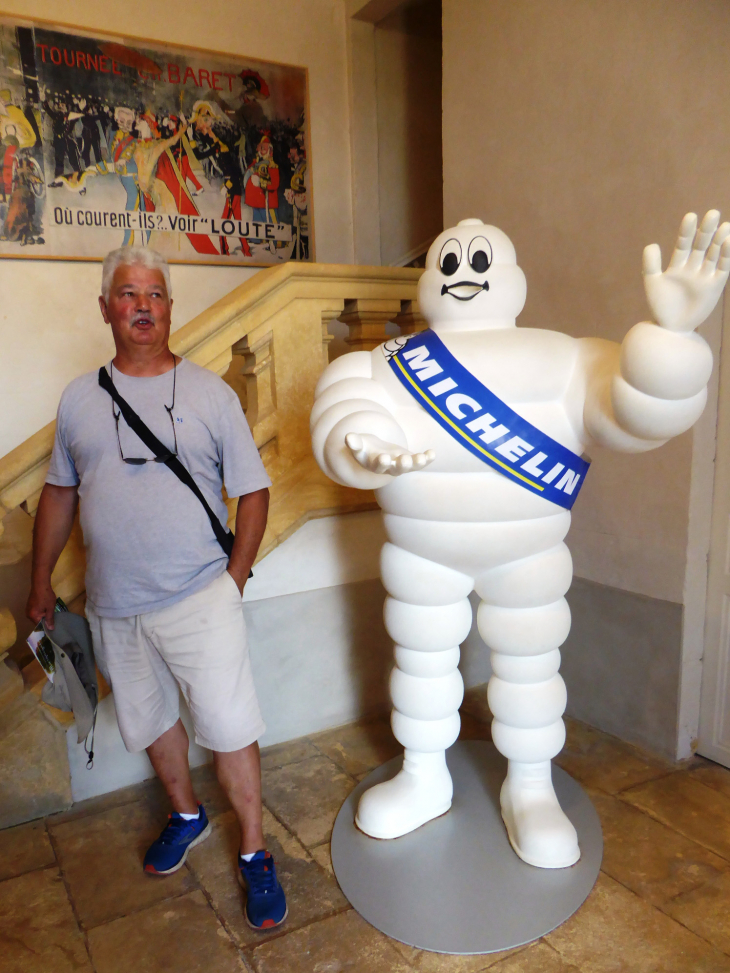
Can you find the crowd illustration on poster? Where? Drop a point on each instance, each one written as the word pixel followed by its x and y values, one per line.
pixel 104 144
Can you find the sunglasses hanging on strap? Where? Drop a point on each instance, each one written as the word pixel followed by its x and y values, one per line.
pixel 224 537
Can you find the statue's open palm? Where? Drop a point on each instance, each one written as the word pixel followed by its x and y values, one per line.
pixel 380 457
pixel 685 294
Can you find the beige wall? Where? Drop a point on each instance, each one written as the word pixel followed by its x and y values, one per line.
pixel 50 330
pixel 586 130
pixel 364 140
pixel 408 72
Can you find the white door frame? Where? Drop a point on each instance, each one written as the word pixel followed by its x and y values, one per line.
pixel 705 689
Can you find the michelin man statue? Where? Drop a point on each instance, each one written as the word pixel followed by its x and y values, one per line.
pixel 471 433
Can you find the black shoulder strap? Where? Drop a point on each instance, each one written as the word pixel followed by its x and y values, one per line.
pixel 225 537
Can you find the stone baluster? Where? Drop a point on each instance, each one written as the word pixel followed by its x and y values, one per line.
pixel 16 541
pixel 258 370
pixel 30 505
pixel 366 319
pixel 410 320
pixel 329 312
pixel 11 682
pixel 8 631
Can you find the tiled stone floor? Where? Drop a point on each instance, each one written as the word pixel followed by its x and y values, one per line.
pixel 73 896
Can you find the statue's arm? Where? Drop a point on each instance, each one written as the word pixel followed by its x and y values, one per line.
pixel 654 385
pixel 355 437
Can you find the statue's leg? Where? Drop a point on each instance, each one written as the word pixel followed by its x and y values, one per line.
pixel 523 618
pixel 428 615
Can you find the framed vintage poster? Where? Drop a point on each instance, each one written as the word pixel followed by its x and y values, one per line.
pixel 108 142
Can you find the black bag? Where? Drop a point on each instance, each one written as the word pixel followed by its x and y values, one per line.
pixel 225 537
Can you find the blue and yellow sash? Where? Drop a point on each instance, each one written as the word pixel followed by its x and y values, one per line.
pixel 481 422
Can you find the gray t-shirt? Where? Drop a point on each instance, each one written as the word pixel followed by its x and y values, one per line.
pixel 149 542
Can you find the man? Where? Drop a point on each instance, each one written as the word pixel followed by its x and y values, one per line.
pixel 296 196
pixel 64 144
pixel 163 600
pixel 262 182
pixel 90 136
pixel 222 160
pixel 123 162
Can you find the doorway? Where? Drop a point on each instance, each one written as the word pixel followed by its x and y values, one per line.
pixel 408 91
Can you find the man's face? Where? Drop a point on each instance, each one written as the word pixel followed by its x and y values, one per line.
pixel 204 124
pixel 124 118
pixel 138 308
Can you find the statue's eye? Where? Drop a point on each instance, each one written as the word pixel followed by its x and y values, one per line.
pixel 480 255
pixel 479 261
pixel 450 257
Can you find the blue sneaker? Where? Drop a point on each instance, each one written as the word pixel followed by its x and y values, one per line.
pixel 168 853
pixel 265 900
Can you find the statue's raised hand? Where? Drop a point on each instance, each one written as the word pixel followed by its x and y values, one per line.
pixel 684 295
pixel 380 457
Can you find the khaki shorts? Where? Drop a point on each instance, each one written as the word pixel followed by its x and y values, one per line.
pixel 199 645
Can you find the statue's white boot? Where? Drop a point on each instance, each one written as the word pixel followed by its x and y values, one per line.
pixel 427 614
pixel 537 827
pixel 420 791
pixel 524 618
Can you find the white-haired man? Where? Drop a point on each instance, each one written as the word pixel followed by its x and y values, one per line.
pixel 163 599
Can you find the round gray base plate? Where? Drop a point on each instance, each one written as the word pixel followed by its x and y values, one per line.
pixel 455 885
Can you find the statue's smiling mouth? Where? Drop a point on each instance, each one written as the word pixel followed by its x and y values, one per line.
pixel 464 290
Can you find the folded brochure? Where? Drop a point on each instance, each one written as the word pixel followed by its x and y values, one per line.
pixel 41 647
